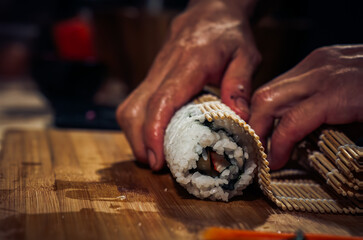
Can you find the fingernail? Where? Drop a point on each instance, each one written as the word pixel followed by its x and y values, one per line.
pixel 241 103
pixel 152 158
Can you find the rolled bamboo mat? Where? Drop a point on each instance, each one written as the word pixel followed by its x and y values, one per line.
pixel 338 161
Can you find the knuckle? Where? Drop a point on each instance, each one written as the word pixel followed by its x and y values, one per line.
pixel 281 134
pixel 125 115
pixel 157 97
pixel 317 53
pixel 288 127
pixel 262 96
pixel 322 50
pixel 119 113
pixel 321 53
pixel 288 123
pixel 324 54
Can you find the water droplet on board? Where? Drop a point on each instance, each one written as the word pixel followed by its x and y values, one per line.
pixel 122 197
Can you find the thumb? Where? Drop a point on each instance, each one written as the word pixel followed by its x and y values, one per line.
pixel 236 84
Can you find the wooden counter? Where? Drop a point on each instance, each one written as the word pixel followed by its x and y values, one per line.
pixel 86 185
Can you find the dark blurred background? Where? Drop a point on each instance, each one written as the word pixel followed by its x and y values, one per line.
pixel 86 56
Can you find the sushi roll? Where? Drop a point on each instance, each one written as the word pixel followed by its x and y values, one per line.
pixel 210 150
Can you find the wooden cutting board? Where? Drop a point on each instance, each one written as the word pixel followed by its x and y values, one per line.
pixel 86 185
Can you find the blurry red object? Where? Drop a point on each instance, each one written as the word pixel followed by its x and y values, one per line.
pixel 215 233
pixel 74 40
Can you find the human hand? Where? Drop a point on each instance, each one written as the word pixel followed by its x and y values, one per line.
pixel 210 43
pixel 326 87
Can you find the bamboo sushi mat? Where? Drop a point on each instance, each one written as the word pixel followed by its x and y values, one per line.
pixel 337 160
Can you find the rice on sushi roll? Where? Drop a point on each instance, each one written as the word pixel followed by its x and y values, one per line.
pixel 210 150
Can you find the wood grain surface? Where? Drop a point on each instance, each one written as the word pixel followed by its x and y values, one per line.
pixel 86 185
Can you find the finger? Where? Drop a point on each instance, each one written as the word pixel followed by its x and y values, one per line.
pixel 131 113
pixel 275 98
pixel 294 125
pixel 236 84
pixel 164 103
pixel 135 140
pixel 131 116
pixel 262 125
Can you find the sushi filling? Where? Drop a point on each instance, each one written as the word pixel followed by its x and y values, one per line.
pixel 221 157
pixel 210 159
